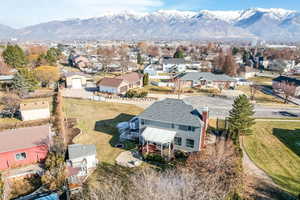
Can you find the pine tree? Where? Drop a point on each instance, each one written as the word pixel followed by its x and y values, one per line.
pixel 139 59
pixel 1 187
pixel 14 56
pixel 146 79
pixel 25 81
pixel 179 54
pixel 241 117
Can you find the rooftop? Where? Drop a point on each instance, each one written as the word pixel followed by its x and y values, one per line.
pixel 34 105
pixel 22 138
pixel 111 82
pixel 174 61
pixel 174 111
pixel 289 79
pixel 197 76
pixel 131 77
pixel 81 150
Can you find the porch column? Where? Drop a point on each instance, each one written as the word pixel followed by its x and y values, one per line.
pixel 169 150
pixel 147 147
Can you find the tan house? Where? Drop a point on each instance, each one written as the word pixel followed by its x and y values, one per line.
pixel 35 110
pixel 76 80
pixel 120 84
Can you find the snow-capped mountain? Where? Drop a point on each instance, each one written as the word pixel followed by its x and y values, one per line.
pixel 268 24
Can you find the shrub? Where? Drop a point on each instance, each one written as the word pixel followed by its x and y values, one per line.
pixel 136 94
pixel 155 158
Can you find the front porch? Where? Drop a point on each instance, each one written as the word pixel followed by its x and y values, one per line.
pixel 158 141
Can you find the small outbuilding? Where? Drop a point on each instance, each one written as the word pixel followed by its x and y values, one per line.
pixel 76 80
pixel 35 110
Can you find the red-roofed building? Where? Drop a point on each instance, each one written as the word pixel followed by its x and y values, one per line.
pixel 24 146
pixel 121 84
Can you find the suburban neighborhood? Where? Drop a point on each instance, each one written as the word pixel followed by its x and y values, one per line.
pixel 141 119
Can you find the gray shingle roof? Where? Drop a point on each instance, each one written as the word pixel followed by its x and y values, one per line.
pixel 81 150
pixel 68 74
pixel 196 76
pixel 293 80
pixel 174 111
pixel 174 61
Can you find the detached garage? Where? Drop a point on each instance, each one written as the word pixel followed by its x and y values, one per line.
pixel 76 80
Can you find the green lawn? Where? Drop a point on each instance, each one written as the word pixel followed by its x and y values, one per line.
pixel 98 121
pixel 275 147
pixel 262 80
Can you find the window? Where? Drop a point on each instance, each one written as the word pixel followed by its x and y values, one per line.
pixel 142 122
pixel 184 128
pixel 190 143
pixel 178 141
pixel 21 156
pixel 172 125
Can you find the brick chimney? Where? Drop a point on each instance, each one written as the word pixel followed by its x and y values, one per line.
pixel 205 119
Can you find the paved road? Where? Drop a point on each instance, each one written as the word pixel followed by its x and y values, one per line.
pixel 219 108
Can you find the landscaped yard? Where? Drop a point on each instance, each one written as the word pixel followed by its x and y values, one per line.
pixel 98 121
pixel 275 147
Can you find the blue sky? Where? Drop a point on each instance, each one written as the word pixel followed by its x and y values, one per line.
pixel 19 13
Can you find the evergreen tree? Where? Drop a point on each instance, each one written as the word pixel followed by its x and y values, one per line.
pixel 25 81
pixel 179 54
pixel 235 50
pixel 241 117
pixel 246 56
pixel 139 59
pixel 52 55
pixel 146 79
pixel 1 187
pixel 14 56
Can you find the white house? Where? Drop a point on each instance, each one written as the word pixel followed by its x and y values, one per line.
pixel 35 110
pixel 82 157
pixel 174 65
pixel 76 80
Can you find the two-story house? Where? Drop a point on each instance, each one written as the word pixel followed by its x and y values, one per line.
pixel 173 124
pixel 174 65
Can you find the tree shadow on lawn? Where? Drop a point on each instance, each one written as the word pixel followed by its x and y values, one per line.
pixel 291 138
pixel 109 127
pixel 265 191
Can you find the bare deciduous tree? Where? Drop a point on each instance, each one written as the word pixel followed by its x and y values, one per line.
pixel 124 57
pixel 11 104
pixel 253 90
pixel 106 54
pixel 288 89
pixel 229 66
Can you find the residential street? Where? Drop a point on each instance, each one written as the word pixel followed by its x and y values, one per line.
pixel 219 108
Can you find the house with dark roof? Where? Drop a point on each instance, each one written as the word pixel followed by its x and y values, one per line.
pixel 24 146
pixel 173 124
pixel 205 79
pixel 120 84
pixel 277 83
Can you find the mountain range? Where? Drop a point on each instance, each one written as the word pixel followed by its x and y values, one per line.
pixel 267 24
